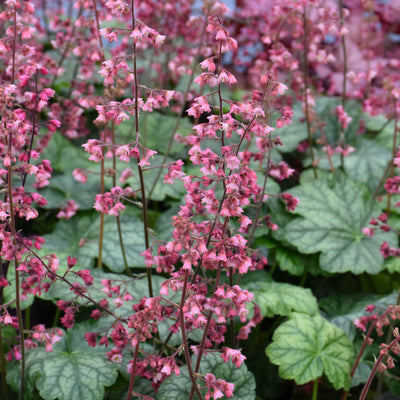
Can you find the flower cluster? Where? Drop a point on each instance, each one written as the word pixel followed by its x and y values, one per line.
pixel 217 388
pixel 110 202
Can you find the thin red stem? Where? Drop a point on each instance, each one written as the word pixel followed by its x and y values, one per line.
pixel 140 172
pixel 132 378
pixel 195 388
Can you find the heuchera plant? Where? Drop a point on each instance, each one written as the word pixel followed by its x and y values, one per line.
pixel 199 202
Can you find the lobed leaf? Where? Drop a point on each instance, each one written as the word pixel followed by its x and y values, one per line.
pixel 306 347
pixel 368 163
pixel 66 240
pixel 333 215
pixel 65 187
pixel 72 371
pixel 61 151
pixel 289 260
pixel 276 298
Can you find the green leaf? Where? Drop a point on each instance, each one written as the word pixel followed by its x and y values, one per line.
pixel 178 387
pixel 66 240
pixel 291 135
pixel 65 187
pixel 64 155
pixel 72 371
pixel 374 123
pixel 132 236
pixel 289 260
pixel 9 291
pixel 159 128
pixel 254 279
pixel 391 381
pixel 352 305
pixel 308 175
pixel 119 390
pixel 242 378
pixel 305 347
pixel 333 217
pixel 325 107
pixel 13 379
pixel 276 298
pixel 361 374
pixel 323 162
pixel 392 264
pixel 163 226
pixel 368 163
pixel 385 137
pixel 142 386
pixel 62 88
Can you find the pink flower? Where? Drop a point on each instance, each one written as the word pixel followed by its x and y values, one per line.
pixel 392 185
pixel 91 338
pixel 235 355
pixel 217 388
pixel 291 202
pixel 68 318
pixel 84 274
pixel 208 64
pixel 344 119
pixel 370 308
pixel 79 175
pixel 226 77
pixel 68 211
pixel 368 231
